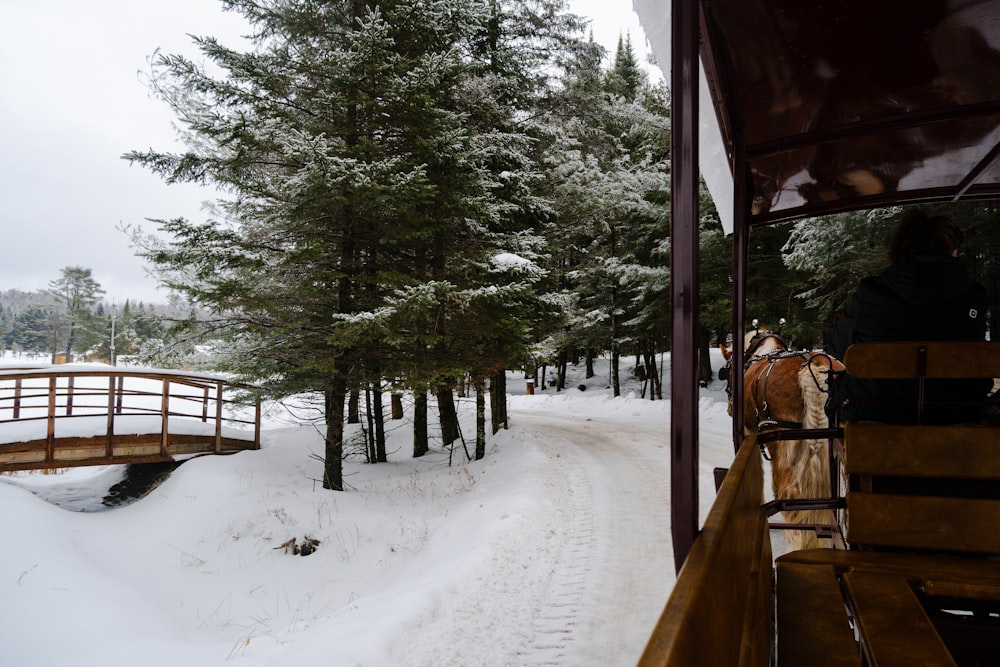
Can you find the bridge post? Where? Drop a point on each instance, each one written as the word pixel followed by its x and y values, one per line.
pixel 218 419
pixel 50 437
pixel 165 416
pixel 110 449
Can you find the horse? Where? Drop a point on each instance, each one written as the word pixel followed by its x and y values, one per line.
pixel 784 389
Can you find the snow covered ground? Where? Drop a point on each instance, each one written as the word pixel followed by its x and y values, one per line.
pixel 554 550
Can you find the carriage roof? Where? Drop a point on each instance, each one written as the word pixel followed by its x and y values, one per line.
pixel 847 104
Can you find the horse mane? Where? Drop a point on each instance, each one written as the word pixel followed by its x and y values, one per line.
pixel 812 462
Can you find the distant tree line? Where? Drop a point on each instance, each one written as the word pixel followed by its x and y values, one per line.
pixel 70 321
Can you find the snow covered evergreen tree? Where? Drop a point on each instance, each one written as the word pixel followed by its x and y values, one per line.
pixel 608 171
pixel 76 293
pixel 375 170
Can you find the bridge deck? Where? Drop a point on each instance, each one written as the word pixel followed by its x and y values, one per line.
pixel 62 416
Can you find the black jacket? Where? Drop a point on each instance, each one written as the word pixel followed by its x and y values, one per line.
pixel 925 298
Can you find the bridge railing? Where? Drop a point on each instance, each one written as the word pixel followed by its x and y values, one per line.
pixel 54 416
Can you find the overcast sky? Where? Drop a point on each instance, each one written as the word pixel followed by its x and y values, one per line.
pixel 73 103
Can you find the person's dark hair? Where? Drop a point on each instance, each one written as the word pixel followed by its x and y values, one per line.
pixel 917 233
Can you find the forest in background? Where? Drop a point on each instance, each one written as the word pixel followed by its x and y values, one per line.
pixel 71 321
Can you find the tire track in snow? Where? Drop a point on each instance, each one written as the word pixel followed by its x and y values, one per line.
pixel 555 624
pixel 614 568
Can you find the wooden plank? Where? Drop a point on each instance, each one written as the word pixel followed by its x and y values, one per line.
pixel 812 621
pixel 895 630
pixel 760 609
pixel 11 459
pixel 962 451
pixel 968 590
pixel 719 610
pixel 945 359
pixel 913 566
pixel 126 451
pixel 924 522
pixel 64 453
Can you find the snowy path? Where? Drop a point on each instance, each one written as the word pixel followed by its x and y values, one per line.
pixel 615 565
pixel 552 551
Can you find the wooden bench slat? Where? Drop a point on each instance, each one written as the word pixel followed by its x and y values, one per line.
pixel 895 630
pixel 945 359
pixel 959 451
pixel 923 522
pixel 969 590
pixel 812 620
pixel 913 566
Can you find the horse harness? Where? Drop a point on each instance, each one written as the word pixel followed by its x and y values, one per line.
pixel 764 419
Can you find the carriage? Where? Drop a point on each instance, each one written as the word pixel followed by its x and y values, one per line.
pixel 821 108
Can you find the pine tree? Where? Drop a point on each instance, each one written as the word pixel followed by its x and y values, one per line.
pixel 370 189
pixel 608 162
pixel 76 292
pixel 625 79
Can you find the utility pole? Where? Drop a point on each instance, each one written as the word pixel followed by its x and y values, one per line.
pixel 112 349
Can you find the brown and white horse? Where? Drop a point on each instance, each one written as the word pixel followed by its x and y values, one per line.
pixel 783 389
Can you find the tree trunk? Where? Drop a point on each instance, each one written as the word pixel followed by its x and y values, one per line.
pixel 561 373
pixel 353 412
pixel 655 390
pixel 480 420
pixel 615 362
pixel 590 363
pixel 380 455
pixel 397 406
pixel 704 360
pixel 420 444
pixel 70 339
pixel 333 471
pixel 448 415
pixel 370 453
pixel 494 405
pixel 501 379
pixel 615 351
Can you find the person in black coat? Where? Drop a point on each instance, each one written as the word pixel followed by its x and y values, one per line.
pixel 926 294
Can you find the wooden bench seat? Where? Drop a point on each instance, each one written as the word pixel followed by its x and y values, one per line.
pixel 894 628
pixel 920 582
pixel 823 592
pixel 812 621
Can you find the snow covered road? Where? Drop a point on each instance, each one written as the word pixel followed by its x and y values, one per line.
pixel 615 569
pixel 553 550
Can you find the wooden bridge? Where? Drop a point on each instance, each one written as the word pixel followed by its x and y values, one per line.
pixel 81 415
